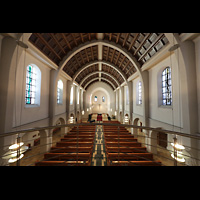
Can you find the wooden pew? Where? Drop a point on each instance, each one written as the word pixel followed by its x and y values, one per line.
pixel 125 149
pixel 67 156
pixel 135 163
pixel 120 135
pixel 121 139
pixel 125 144
pixel 71 149
pixel 129 156
pixel 82 132
pixel 80 144
pixel 74 149
pixel 116 132
pixel 80 136
pixel 62 163
pixel 77 139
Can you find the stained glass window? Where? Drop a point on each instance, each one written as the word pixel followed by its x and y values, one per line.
pixel 166 87
pixel 30 85
pixel 95 98
pixel 139 92
pixel 103 99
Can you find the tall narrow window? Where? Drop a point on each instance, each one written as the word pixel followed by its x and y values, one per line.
pixel 78 97
pixel 127 95
pixel 166 87
pixel 71 95
pixel 60 92
pixel 95 98
pixel 103 99
pixel 33 84
pixel 139 100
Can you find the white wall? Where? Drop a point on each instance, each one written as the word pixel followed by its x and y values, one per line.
pixel 99 106
pixel 167 114
pixel 61 108
pixel 22 113
pixel 197 51
pixel 104 89
pixel 137 109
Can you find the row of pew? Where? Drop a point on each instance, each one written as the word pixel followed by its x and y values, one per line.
pixel 74 149
pixel 122 149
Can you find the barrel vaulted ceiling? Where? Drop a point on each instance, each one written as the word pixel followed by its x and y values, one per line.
pixel 106 62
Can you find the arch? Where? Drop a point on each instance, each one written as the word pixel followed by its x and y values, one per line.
pixel 126 119
pixel 91 43
pixel 98 62
pixel 45 144
pixel 143 75
pixel 105 91
pixel 102 73
pixel 153 140
pixel 78 116
pixel 61 121
pixel 135 130
pixel 120 117
pixel 97 105
pixel 71 118
pixel 97 79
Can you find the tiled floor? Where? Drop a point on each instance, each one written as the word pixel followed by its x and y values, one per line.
pixel 99 153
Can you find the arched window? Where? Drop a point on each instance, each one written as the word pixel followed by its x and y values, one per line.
pixel 71 95
pixel 78 96
pixel 139 93
pixel 33 85
pixel 127 95
pixel 166 87
pixel 95 98
pixel 59 92
pixel 103 99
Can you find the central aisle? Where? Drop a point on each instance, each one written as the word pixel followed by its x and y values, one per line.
pixel 99 153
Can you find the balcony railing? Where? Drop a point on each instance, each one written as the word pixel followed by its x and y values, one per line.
pixel 181 148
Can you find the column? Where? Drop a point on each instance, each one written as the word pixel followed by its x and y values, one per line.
pixel 52 95
pixel 10 54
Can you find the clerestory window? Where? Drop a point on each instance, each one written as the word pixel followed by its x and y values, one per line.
pixel 166 87
pixel 33 84
pixel 60 92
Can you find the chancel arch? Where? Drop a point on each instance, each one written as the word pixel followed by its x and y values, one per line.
pixel 95 79
pixel 116 81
